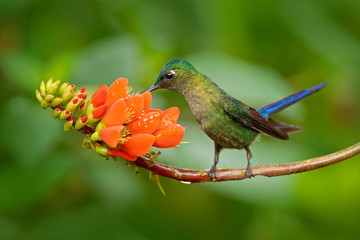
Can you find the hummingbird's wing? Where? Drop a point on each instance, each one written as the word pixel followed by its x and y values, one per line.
pixel 250 118
pixel 288 128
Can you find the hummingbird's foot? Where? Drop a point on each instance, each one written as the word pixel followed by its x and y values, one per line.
pixel 212 172
pixel 248 172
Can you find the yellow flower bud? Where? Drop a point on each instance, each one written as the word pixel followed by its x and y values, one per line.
pixel 81 122
pixel 44 104
pixel 62 88
pixel 103 151
pixel 48 84
pixel 57 101
pixel 95 137
pixel 49 98
pixel 64 114
pixel 56 113
pixel 38 96
pixel 68 124
pixel 42 87
pixel 54 87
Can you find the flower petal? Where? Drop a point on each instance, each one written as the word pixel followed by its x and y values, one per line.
pixel 116 115
pixel 155 110
pixel 169 136
pixel 99 96
pixel 117 90
pixel 138 144
pixel 134 107
pixel 99 111
pixel 111 135
pixel 147 123
pixel 170 116
pixel 147 101
pixel 119 153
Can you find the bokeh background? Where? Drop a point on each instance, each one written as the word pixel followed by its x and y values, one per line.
pixel 258 51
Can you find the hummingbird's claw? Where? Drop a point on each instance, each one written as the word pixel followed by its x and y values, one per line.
pixel 249 172
pixel 212 173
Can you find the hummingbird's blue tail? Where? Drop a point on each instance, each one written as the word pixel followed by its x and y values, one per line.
pixel 276 107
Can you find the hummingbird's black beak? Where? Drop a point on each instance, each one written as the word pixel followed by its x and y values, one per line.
pixel 150 89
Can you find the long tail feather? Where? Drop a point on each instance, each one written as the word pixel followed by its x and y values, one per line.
pixel 276 107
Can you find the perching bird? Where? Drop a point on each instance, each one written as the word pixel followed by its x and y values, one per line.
pixel 226 120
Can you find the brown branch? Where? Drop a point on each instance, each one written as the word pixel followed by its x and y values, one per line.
pixel 193 176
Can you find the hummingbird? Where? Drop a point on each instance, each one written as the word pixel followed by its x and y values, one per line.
pixel 227 121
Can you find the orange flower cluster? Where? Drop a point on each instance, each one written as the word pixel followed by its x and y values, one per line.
pixel 128 125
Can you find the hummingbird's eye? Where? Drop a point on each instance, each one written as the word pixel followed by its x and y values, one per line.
pixel 170 75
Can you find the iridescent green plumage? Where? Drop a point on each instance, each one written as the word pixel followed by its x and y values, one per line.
pixel 227 121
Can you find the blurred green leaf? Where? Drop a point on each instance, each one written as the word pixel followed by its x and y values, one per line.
pixel 60 66
pixel 23 186
pixel 338 201
pixel 22 69
pixel 8 229
pixel 321 32
pixel 87 223
pixel 107 60
pixel 24 127
pixel 115 184
pixel 30 131
pixel 11 7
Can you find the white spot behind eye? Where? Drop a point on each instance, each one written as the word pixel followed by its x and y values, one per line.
pixel 170 75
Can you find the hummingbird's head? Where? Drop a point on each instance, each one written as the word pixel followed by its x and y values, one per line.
pixel 174 75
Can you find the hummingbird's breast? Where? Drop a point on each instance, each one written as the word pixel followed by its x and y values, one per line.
pixel 222 129
pixel 207 106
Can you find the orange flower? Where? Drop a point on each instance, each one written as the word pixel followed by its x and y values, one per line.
pixel 147 123
pixel 122 154
pixel 111 135
pixel 117 90
pixel 128 126
pixel 169 136
pixel 116 115
pixel 134 107
pixel 99 111
pixel 138 144
pixel 147 101
pixel 170 116
pixel 98 98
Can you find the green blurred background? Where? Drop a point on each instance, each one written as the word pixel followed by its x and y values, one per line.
pixel 259 51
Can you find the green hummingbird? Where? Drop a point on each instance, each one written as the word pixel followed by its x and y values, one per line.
pixel 226 120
